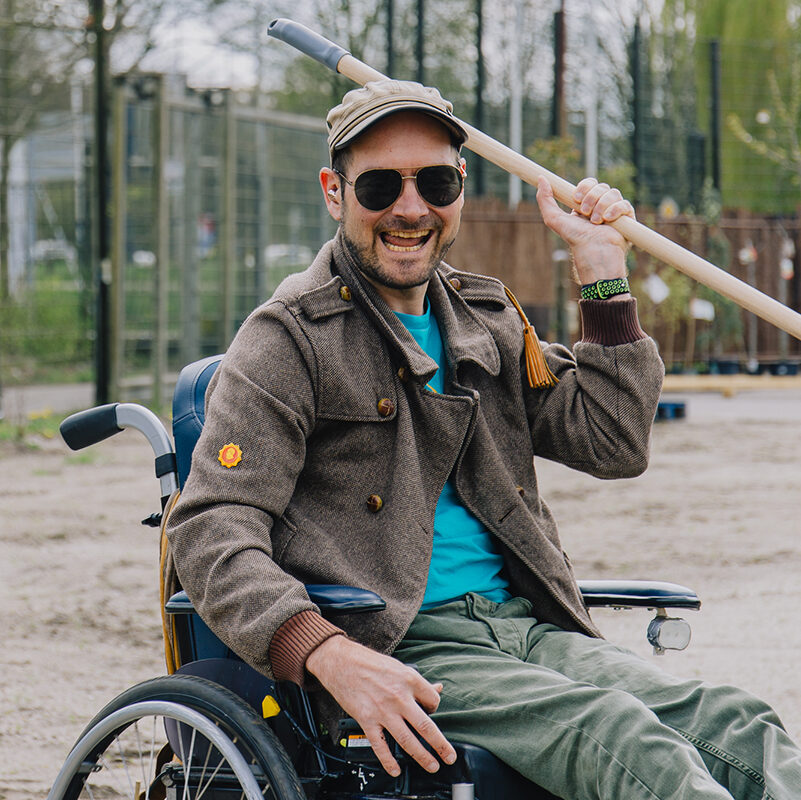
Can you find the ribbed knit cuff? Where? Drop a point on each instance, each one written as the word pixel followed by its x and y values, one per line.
pixel 293 642
pixel 610 322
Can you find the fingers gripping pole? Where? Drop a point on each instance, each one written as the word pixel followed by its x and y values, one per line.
pixel 746 296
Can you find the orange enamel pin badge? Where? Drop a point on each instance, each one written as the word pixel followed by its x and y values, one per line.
pixel 230 455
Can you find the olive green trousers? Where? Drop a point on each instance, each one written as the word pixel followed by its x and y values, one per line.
pixel 588 720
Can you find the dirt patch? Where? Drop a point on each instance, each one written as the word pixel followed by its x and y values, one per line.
pixel 716 511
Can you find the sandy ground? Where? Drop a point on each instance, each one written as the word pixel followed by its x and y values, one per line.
pixel 717 511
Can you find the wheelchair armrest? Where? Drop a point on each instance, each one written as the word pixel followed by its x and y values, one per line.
pixel 331 598
pixel 344 599
pixel 630 594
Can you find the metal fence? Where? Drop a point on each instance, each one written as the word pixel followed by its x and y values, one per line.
pixel 46 296
pixel 214 203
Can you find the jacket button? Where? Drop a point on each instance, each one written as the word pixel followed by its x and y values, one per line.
pixel 374 503
pixel 456 283
pixel 385 407
pixel 344 293
pixel 521 491
pixel 403 374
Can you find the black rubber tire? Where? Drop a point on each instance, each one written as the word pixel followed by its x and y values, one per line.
pixel 224 708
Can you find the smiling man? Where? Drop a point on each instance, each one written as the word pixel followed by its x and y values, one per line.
pixel 386 410
pixel 398 251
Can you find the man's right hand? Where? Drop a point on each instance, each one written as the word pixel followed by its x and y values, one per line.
pixel 382 694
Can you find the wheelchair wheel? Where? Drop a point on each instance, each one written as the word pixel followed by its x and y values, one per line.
pixel 178 737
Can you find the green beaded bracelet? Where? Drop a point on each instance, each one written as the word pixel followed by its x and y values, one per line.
pixel 600 290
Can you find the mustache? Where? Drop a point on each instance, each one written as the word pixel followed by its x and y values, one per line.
pixel 430 221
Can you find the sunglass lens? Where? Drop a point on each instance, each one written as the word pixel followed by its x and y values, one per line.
pixel 378 189
pixel 439 185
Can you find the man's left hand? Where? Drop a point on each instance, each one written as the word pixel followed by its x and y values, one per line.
pixel 599 251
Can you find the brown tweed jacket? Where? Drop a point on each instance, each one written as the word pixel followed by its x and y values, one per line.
pixel 323 391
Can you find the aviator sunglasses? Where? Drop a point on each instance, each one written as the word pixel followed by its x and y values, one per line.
pixel 377 189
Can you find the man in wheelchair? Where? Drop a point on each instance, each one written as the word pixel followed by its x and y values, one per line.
pixel 374 424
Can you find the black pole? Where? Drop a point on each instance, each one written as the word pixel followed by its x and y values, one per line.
pixel 479 182
pixel 714 63
pixel 636 103
pixel 558 105
pixel 420 40
pixel 559 128
pixel 102 266
pixel 390 37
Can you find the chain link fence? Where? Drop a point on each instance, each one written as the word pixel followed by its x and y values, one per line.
pixel 45 283
pixel 215 203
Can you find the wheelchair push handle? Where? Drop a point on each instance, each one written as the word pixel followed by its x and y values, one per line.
pixel 95 424
pixel 90 426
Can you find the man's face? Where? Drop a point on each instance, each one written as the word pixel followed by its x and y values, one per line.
pixel 401 246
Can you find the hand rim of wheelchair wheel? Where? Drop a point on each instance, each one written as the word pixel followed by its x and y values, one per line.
pixel 121 720
pixel 246 754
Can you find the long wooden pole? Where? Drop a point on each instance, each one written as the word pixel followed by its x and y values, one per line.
pixel 480 143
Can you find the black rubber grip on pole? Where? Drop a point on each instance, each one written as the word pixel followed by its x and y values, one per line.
pixel 307 41
pixel 90 426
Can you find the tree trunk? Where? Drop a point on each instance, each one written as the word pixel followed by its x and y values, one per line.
pixel 5 243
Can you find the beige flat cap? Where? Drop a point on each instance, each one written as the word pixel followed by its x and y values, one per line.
pixel 361 108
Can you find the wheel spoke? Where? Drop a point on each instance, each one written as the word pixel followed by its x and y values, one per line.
pixel 124 762
pixel 188 764
pixel 150 770
pixel 180 755
pixel 211 778
pixel 209 751
pixel 110 773
pixel 141 759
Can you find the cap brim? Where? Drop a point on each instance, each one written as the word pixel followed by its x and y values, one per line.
pixel 395 108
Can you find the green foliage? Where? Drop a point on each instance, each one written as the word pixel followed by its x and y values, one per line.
pixel 310 88
pixel 756 40
pixel 724 335
pixel 560 154
pixel 711 210
pixel 675 307
pixel 778 141
pixel 621 176
pixel 44 426
pixel 45 333
pixel 662 102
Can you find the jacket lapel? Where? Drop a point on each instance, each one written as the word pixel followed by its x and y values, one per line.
pixel 465 335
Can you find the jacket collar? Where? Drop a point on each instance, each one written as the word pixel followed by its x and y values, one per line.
pixel 465 336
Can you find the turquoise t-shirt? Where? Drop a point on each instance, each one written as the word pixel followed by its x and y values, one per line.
pixel 465 557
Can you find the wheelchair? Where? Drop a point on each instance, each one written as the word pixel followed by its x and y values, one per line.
pixel 215 728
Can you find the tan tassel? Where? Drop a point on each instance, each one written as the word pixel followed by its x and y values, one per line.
pixel 537 369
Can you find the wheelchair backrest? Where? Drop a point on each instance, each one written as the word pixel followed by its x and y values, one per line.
pixel 189 410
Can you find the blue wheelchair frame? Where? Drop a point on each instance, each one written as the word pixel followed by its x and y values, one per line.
pixel 340 766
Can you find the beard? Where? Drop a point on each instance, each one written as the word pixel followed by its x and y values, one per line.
pixel 405 272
